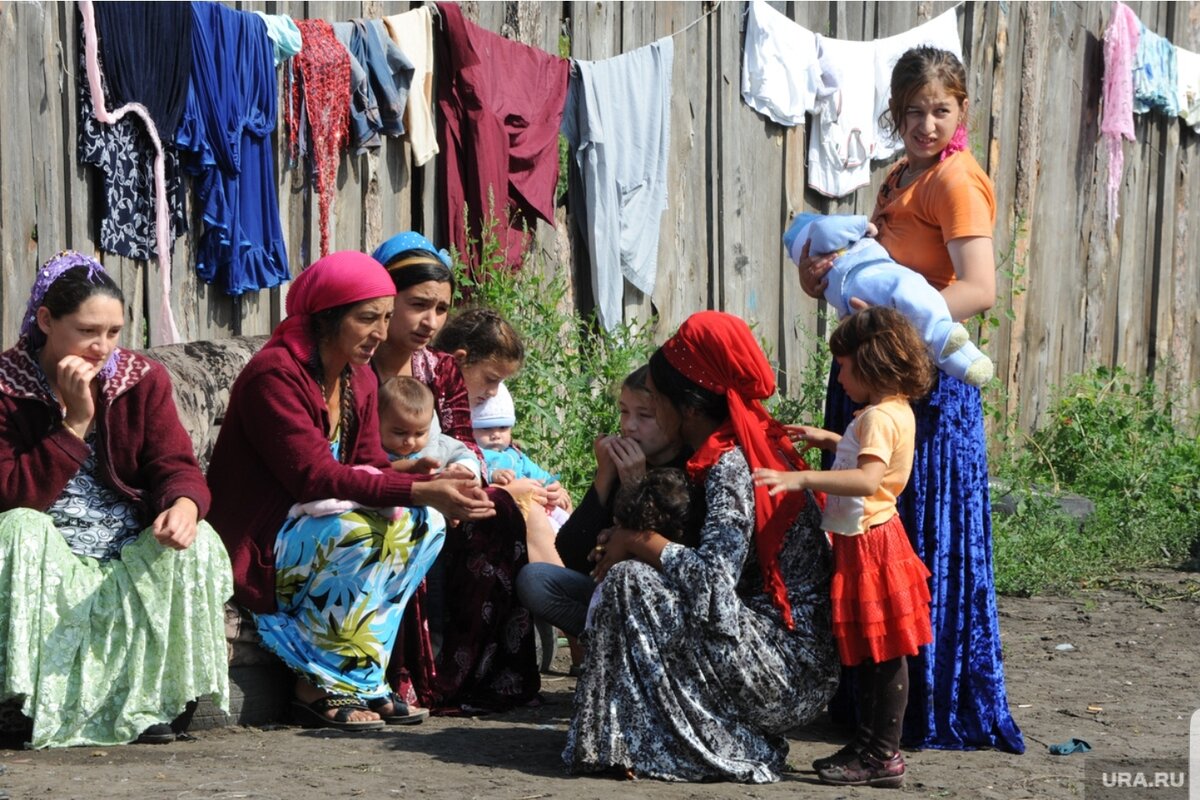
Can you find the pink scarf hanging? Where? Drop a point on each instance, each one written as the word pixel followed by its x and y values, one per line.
pixel 1120 49
pixel 167 332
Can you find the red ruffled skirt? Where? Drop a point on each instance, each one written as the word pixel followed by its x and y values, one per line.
pixel 880 594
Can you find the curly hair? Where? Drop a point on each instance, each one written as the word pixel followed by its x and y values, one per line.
pixel 887 351
pixel 483 334
pixel 663 501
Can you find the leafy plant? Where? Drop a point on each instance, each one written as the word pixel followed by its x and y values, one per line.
pixel 1117 443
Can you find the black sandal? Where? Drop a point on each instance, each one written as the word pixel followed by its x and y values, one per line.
pixel 402 712
pixel 312 715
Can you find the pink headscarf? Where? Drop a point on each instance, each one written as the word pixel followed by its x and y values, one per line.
pixel 346 276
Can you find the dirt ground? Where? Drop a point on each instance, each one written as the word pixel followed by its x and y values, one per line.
pixel 1128 686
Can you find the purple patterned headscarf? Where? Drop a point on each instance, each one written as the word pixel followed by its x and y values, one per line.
pixel 52 270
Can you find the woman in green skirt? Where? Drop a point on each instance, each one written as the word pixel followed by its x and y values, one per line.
pixel 111 588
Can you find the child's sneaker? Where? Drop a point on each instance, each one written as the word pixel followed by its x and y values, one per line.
pixel 866 770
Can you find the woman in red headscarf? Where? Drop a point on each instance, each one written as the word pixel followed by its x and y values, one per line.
pixel 700 659
pixel 327 581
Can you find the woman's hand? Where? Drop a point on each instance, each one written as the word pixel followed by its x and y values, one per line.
pixel 459 472
pixel 606 470
pixel 456 499
pixel 781 481
pixel 74 378
pixel 629 459
pixel 425 465
pixel 556 495
pixel 176 527
pixel 812 270
pixel 612 547
pixel 522 487
pixel 808 436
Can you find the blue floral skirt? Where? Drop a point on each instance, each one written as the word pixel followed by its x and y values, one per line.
pixel 341 585
pixel 957 698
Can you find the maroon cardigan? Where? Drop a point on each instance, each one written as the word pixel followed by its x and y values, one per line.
pixel 273 451
pixel 142 451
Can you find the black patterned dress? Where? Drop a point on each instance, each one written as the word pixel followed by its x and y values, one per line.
pixel 690 673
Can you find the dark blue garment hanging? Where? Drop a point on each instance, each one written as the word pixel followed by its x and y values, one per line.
pixel 146 50
pixel 226 133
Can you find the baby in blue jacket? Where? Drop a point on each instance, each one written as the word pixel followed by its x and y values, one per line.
pixel 863 269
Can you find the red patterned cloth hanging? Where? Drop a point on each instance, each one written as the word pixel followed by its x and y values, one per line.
pixel 324 79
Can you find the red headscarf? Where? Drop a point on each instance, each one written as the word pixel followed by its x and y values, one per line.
pixel 346 276
pixel 717 352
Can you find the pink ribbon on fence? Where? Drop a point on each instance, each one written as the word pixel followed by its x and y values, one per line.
pixel 168 333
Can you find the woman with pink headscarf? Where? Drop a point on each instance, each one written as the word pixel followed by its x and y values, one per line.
pixel 328 592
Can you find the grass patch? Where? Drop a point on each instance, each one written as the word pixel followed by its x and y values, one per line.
pixel 1120 444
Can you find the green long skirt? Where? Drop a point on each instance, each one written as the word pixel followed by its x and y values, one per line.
pixel 97 651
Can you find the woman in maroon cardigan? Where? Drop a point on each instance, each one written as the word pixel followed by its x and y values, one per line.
pixel 328 590
pixel 112 591
pixel 487 655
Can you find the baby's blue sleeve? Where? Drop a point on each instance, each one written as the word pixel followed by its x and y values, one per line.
pixel 835 232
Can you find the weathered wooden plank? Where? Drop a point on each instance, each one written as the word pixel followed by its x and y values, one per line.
pixel 19 36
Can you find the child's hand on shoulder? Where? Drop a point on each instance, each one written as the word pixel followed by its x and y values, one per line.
pixel 781 481
pixel 806 436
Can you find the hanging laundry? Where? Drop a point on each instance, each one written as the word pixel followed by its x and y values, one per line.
pixel 389 75
pixel 225 137
pixel 840 145
pixel 940 32
pixel 1120 47
pixel 124 155
pixel 412 32
pixel 320 100
pixel 501 104
pixel 1188 86
pixel 617 122
pixel 146 50
pixel 285 35
pixel 781 78
pixel 164 28
pixel 1155 74
pixel 364 112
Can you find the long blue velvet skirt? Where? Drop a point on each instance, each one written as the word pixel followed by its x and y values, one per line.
pixel 957 699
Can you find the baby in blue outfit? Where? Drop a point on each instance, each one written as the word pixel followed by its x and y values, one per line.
pixel 863 269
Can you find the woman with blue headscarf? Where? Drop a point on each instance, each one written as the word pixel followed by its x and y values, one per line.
pixel 112 589
pixel 487 653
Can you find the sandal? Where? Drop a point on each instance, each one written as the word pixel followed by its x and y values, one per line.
pixel 402 712
pixel 312 715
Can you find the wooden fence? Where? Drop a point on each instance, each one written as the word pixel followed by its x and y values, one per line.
pixel 1071 295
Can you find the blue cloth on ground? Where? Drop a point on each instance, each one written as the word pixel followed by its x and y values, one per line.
pixel 1070 746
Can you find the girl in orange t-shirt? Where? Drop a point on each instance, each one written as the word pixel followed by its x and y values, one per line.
pixel 935 213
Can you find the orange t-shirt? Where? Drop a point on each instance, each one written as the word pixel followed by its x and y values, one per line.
pixel 951 200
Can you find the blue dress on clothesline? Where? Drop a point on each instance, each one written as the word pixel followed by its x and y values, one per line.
pixel 226 136
pixel 957 698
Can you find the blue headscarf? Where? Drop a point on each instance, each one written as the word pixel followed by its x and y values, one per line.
pixel 402 243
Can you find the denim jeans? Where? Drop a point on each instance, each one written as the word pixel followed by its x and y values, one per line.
pixel 556 594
